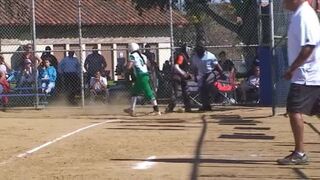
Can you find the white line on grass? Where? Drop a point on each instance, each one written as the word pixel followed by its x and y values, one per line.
pixel 146 164
pixel 62 137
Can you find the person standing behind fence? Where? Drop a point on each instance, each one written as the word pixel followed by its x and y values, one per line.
pixel 304 73
pixel 205 63
pixel 93 63
pixel 138 62
pixel 153 67
pixel 180 76
pixel 29 55
pixel 69 68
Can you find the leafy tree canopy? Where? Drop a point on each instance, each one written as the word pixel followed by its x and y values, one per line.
pixel 246 10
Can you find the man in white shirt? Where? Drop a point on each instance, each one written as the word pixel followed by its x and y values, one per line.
pixel 205 62
pixel 304 73
pixel 98 86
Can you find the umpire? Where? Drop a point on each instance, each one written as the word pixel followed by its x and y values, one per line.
pixel 205 63
pixel 180 72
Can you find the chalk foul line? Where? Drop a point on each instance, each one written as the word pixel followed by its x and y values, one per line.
pixel 146 164
pixel 61 138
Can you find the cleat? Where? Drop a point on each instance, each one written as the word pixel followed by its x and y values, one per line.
pixel 155 113
pixel 129 111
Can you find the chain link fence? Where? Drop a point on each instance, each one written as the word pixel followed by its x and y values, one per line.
pixel 280 61
pixel 78 38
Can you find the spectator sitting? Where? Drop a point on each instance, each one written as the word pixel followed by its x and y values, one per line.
pixel 47 55
pixel 226 64
pixel 255 63
pixel 5 88
pixel 252 83
pixel 98 86
pixel 3 65
pixel 47 76
pixel 27 75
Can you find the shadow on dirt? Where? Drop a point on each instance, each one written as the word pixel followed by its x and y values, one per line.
pixel 203 160
pixel 253 128
pixel 148 129
pixel 258 136
pixel 247 127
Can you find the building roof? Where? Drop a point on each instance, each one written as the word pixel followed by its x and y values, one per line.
pixel 94 12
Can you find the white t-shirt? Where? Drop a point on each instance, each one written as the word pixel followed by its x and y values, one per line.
pixel 139 64
pixel 253 81
pixel 98 85
pixel 204 65
pixel 3 68
pixel 304 29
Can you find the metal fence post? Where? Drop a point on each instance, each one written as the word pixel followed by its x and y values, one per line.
pixel 171 32
pixel 272 51
pixel 34 51
pixel 80 54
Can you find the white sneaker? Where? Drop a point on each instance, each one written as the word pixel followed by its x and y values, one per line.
pixel 155 113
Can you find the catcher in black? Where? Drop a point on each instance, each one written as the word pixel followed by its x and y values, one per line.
pixel 180 75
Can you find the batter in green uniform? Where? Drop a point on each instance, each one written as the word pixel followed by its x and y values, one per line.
pixel 138 62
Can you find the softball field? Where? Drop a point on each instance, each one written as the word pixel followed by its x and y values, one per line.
pixel 102 142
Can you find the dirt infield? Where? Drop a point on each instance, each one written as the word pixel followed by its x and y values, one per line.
pixel 104 143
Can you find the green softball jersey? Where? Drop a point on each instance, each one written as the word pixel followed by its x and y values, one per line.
pixel 139 63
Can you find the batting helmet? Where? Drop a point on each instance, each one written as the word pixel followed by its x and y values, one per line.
pixel 133 47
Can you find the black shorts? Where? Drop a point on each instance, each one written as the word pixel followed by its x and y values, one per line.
pixel 304 99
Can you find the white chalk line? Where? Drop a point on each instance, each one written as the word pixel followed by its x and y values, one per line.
pixel 55 140
pixel 149 162
pixel 146 164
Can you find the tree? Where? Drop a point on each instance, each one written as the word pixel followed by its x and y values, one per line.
pixel 245 10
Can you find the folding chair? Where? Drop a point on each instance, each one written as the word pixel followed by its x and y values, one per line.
pixel 226 88
pixel 194 93
pixel 193 90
